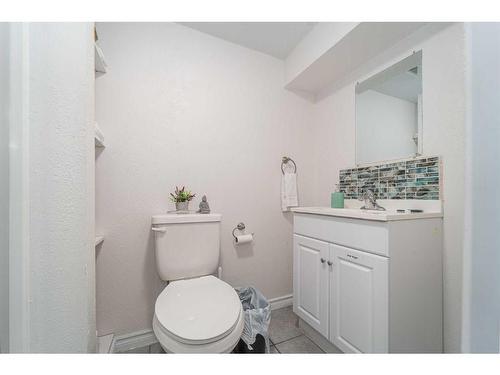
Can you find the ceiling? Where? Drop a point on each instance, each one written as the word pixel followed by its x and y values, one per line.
pixel 277 39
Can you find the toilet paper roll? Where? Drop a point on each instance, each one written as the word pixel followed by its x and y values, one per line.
pixel 244 238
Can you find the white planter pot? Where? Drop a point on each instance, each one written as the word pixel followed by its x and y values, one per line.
pixel 182 206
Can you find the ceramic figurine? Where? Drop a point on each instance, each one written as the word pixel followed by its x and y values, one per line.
pixel 204 207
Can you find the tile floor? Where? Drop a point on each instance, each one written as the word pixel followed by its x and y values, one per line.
pixel 286 338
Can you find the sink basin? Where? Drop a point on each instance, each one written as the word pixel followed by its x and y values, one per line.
pixel 357 213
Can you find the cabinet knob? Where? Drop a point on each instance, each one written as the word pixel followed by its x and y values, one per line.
pixel 323 260
pixel 329 263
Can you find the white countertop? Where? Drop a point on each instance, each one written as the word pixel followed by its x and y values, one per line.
pixel 356 213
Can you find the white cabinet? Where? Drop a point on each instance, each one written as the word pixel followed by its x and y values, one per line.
pixel 358 303
pixel 370 287
pixel 310 284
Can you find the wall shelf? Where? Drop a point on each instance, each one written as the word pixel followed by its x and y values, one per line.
pixel 100 62
pixel 99 240
pixel 98 136
pixel 105 344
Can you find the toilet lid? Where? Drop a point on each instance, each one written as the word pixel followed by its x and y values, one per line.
pixel 199 310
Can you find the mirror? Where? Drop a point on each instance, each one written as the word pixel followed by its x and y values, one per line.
pixel 389 113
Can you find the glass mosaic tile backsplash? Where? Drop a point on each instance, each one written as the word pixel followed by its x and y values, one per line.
pixel 410 179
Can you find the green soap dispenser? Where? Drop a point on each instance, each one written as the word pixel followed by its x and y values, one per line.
pixel 337 199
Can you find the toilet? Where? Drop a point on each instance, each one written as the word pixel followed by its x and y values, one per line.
pixel 196 312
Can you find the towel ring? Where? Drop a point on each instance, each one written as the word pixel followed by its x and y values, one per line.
pixel 284 161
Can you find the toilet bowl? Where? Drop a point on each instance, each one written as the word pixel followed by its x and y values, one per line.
pixel 198 315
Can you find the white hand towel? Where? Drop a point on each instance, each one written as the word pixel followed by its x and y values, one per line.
pixel 284 202
pixel 289 196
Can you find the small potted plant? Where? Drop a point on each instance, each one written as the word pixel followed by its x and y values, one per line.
pixel 181 198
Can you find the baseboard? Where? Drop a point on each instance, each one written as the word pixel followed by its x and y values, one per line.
pixel 133 340
pixel 280 302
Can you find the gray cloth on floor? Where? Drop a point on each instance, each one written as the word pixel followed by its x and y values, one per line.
pixel 257 312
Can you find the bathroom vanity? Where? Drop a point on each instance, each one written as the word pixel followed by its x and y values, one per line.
pixel 369 281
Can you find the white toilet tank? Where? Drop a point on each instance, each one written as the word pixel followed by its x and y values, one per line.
pixel 186 245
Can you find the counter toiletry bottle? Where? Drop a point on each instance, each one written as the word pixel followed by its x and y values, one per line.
pixel 337 200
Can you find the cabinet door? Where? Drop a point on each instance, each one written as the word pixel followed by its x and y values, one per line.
pixel 310 282
pixel 359 304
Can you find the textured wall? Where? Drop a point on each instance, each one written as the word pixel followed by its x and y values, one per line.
pixel 4 189
pixel 482 258
pixel 179 107
pixel 443 135
pixel 61 82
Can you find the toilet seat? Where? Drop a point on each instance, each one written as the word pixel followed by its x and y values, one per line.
pixel 198 315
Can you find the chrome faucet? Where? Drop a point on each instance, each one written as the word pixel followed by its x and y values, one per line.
pixel 370 201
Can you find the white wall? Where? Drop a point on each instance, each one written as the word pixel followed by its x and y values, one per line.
pixel 61 152
pixel 385 126
pixel 214 116
pixel 443 134
pixel 482 256
pixel 179 107
pixel 4 189
pixel 319 40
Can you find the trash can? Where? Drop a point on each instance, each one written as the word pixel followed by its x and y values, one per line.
pixel 257 310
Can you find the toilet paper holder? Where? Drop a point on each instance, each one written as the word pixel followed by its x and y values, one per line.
pixel 240 226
